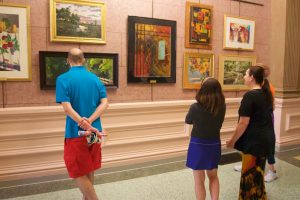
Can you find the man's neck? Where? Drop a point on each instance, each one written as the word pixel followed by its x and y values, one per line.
pixel 76 65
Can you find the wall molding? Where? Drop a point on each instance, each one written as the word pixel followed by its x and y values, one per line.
pixel 31 138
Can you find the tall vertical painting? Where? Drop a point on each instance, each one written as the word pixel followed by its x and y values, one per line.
pixel 198 26
pixel 151 50
pixel 14 43
pixel 77 21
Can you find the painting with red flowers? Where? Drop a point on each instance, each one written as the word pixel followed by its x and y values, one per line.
pixel 151 50
pixel 198 22
pixel 14 43
pixel 238 33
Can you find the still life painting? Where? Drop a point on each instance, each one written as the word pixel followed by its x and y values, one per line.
pixel 196 68
pixel 14 43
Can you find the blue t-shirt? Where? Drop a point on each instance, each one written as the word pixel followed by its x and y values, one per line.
pixel 84 91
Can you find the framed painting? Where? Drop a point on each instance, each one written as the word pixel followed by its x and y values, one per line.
pixel 238 33
pixel 52 64
pixel 15 43
pixel 232 69
pixel 151 50
pixel 198 26
pixel 80 21
pixel 196 68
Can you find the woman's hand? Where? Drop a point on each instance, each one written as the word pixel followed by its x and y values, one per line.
pixel 230 143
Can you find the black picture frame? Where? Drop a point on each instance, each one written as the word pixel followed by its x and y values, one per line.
pixel 53 63
pixel 151 50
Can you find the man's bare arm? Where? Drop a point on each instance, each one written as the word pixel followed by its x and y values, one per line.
pixel 75 116
pixel 99 110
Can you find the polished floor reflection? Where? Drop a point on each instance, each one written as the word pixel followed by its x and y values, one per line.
pixel 171 181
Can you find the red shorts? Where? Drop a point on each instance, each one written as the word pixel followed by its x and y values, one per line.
pixel 80 158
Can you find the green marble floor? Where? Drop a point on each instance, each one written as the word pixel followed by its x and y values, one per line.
pixel 178 185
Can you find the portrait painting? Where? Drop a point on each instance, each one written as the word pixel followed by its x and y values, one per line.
pixel 77 21
pixel 238 33
pixel 196 68
pixel 198 22
pixel 232 69
pixel 151 50
pixel 103 65
pixel 14 43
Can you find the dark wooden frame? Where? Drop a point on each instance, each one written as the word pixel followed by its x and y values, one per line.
pixel 43 72
pixel 132 41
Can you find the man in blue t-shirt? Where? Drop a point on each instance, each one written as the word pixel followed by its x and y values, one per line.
pixel 83 97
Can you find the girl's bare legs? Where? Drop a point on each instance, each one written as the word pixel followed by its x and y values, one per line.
pixel 199 178
pixel 214 186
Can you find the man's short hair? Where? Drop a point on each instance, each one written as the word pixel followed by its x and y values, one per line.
pixel 76 56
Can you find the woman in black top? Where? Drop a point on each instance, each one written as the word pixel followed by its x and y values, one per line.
pixel 204 152
pixel 254 135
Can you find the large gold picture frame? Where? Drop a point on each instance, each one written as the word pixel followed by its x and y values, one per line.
pixel 197 66
pixel 80 21
pixel 239 33
pixel 232 69
pixel 15 55
pixel 198 25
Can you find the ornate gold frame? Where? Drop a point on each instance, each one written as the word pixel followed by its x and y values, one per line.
pixel 53 25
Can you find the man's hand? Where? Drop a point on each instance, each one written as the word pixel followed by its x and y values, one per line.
pixel 85 124
pixel 102 133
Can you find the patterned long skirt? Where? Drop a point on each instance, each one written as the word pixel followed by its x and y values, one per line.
pixel 252 186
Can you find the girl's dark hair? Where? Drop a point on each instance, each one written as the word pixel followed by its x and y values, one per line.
pixel 210 96
pixel 258 74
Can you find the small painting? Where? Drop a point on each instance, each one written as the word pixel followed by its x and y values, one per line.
pixel 198 22
pixel 238 33
pixel 232 69
pixel 196 68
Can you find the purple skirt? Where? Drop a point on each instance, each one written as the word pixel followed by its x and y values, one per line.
pixel 203 154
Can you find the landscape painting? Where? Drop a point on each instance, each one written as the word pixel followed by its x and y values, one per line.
pixel 77 21
pixel 232 69
pixel 103 65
